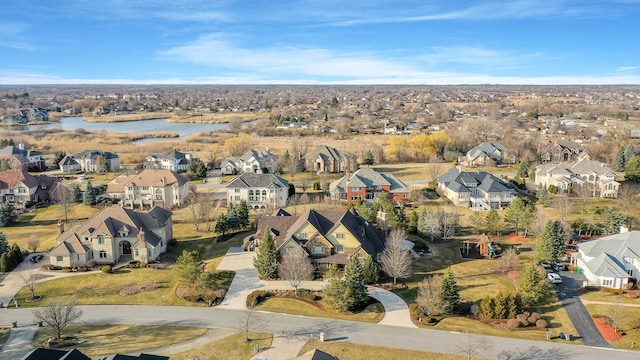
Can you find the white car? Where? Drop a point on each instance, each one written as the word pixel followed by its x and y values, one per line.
pixel 554 278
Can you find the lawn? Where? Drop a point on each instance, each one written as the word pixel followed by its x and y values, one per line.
pixel 371 314
pixel 230 348
pixel 554 313
pixel 111 339
pixel 628 321
pixel 348 351
pixel 211 249
pixel 609 297
pixel 4 335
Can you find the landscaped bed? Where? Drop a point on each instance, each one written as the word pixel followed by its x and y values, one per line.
pixel 625 318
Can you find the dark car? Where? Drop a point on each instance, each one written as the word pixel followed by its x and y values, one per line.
pixel 36 258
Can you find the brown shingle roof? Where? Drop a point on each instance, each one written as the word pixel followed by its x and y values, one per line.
pixel 13 177
pixel 148 177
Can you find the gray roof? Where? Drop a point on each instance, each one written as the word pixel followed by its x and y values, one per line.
pixel 492 150
pixel 257 154
pixel 53 354
pixel 94 154
pixel 459 181
pixel 251 180
pixel 576 168
pixel 329 153
pixel 368 178
pixel 608 253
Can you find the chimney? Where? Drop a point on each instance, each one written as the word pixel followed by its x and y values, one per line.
pixel 142 239
pixel 61 226
pixel 623 229
pixel 21 146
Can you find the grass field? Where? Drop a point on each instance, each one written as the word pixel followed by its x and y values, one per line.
pixel 627 319
pixel 371 314
pixel 230 348
pixel 348 351
pixel 110 339
pixel 609 297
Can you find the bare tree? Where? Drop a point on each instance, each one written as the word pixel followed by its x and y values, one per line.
pixel 430 298
pixel 58 314
pixel 509 260
pixel 66 199
pixel 434 170
pixel 29 279
pixel 295 267
pixel 563 204
pixel 395 260
pixel 584 192
pixel 33 243
pixel 249 322
pixel 204 210
pixel 192 204
pixel 627 194
pixel 473 345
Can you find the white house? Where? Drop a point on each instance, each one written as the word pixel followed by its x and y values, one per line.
pixel 149 188
pixel 610 261
pixel 91 161
pixel 172 160
pixel 594 175
pixel 260 191
pixel 252 161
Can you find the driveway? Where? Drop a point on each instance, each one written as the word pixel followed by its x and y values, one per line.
pixel 568 294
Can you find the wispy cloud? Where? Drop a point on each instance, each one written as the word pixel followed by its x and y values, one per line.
pixel 626 69
pixel 12 36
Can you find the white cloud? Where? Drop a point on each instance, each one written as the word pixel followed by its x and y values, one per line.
pixel 623 69
pixel 12 36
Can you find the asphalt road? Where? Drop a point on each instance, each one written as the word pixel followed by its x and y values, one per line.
pixel 568 293
pixel 336 330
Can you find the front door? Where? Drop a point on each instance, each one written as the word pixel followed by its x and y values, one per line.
pixel 126 248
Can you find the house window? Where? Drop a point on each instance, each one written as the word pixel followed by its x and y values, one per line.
pixel 145 188
pixel 318 250
pixel 303 235
pixel 340 236
pixel 59 258
pixel 355 197
pixel 339 249
pixel 607 282
pixel 237 198
pixel 630 272
pixel 102 254
pixel 100 239
pixel 237 190
pixel 137 252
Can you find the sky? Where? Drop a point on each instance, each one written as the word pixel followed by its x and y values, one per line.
pixel 319 42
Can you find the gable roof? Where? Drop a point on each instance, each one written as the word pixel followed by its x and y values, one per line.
pixel 609 252
pixel 459 181
pixel 86 154
pixel 147 177
pixel 329 153
pixel 576 168
pixel 53 354
pixel 142 356
pixel 368 178
pixel 316 354
pixel 492 150
pixel 250 180
pixel 13 177
pixel 257 154
pixel 169 155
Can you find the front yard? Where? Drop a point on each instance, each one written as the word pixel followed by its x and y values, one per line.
pixel 626 319
pixel 373 313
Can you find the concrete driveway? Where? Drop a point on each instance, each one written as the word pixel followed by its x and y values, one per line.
pixel 568 294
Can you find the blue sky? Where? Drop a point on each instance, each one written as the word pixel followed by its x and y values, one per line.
pixel 319 42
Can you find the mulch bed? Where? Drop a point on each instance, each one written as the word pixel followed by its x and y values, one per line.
pixel 606 329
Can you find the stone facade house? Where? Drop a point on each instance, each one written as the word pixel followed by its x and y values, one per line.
pixel 331 160
pixel 149 188
pixel 259 191
pixel 597 177
pixel 366 184
pixel 331 236
pixel 90 161
pixel 18 158
pixel 172 160
pixel 113 235
pixel 252 161
pixel 488 153
pixel 563 150
pixel 477 190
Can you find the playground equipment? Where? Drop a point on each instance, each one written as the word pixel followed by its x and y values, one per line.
pixel 486 246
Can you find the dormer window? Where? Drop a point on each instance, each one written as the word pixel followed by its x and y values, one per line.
pixel 100 239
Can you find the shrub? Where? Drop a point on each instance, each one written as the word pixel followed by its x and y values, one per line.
pixel 91 263
pixel 541 324
pixel 553 189
pixel 613 291
pixel 306 294
pixel 256 297
pixel 143 265
pixel 533 318
pixel 107 269
pixel 416 313
pixel 513 323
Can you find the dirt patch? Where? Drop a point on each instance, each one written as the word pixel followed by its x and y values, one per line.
pixel 132 290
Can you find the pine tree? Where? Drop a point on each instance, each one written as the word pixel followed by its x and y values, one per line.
pixel 4 243
pixel 371 271
pixel 500 310
pixel 243 215
pixel 7 214
pixel 525 168
pixel 543 195
pixel 335 294
pixel 369 159
pixel 493 222
pixel 512 306
pixel 551 243
pixel 4 262
pixel 532 286
pixel 486 308
pixel 222 224
pixel 17 252
pixel 620 160
pixel 412 226
pixel 355 285
pixel 266 261
pixel 77 193
pixel 450 293
pixel 89 197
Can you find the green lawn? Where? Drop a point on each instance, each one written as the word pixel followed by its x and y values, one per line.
pixel 628 321
pixel 230 348
pixel 348 351
pixel 110 339
pixel 372 313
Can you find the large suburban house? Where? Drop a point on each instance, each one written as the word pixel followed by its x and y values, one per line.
pixel 90 161
pixel 488 153
pixel 328 159
pixel 259 191
pixel 610 261
pixel 113 235
pixel 596 176
pixel 172 160
pixel 563 150
pixel 149 188
pixel 19 158
pixel 327 236
pixel 252 161
pixel 366 184
pixel 21 189
pixel 477 190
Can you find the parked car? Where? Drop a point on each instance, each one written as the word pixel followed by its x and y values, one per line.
pixel 554 278
pixel 557 265
pixel 36 258
pixel 546 266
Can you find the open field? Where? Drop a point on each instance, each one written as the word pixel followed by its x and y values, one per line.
pixel 230 348
pixel 110 339
pixel 347 351
pixel 371 314
pixel 627 319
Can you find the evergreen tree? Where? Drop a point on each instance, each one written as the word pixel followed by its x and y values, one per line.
pixel 450 293
pixel 500 310
pixel 335 293
pixel 620 160
pixel 632 170
pixel 4 262
pixel 4 243
pixel 486 308
pixel 551 243
pixel 242 212
pixel 533 287
pixel 266 261
pixel 401 219
pixel 371 271
pixel 493 222
pixel 412 225
pixel 89 197
pixel 7 214
pixel 543 195
pixel 369 159
pixel 222 224
pixel 520 213
pixel 355 285
pixel 232 217
pixel 613 220
pixel 188 265
pixel 17 253
pixel 524 171
pixel 77 193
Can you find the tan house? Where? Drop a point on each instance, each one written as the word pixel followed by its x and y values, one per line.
pixel 595 176
pixel 328 159
pixel 477 190
pixel 22 189
pixel 563 150
pixel 149 188
pixel 327 236
pixel 113 235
